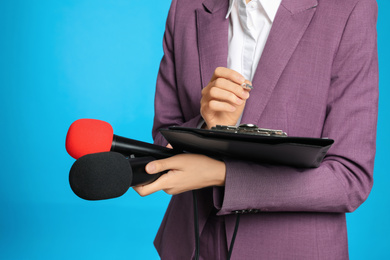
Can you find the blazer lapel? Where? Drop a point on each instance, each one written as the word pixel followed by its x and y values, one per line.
pixel 212 31
pixel 290 23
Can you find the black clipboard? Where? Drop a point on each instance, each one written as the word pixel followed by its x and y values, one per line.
pixel 293 151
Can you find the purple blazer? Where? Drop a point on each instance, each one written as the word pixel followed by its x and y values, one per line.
pixel 317 77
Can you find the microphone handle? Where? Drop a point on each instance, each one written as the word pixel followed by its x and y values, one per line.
pixel 139 174
pixel 138 148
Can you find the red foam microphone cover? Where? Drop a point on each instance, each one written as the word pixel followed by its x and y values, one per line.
pixel 86 136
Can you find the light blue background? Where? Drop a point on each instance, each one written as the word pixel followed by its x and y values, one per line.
pixel 68 59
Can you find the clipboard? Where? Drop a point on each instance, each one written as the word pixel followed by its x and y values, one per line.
pixel 301 152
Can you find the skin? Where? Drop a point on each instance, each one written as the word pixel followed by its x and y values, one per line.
pixel 223 101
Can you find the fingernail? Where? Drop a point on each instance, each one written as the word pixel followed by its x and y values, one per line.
pixel 245 94
pixel 150 168
pixel 239 101
pixel 246 86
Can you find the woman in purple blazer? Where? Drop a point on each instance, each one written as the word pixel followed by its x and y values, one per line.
pixel 317 77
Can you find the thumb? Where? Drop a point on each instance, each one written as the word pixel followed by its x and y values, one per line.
pixel 157 166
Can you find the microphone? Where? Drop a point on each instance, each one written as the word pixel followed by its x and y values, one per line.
pixel 87 136
pixel 108 175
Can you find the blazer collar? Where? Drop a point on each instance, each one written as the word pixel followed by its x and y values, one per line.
pixel 215 5
pixel 212 33
pixel 296 6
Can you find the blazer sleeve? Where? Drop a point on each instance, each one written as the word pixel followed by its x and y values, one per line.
pixel 345 178
pixel 167 107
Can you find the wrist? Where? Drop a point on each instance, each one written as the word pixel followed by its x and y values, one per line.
pixel 220 174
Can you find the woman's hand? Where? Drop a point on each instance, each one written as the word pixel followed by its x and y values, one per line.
pixel 186 172
pixel 223 99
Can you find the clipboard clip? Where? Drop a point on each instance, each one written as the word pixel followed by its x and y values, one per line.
pixel 250 129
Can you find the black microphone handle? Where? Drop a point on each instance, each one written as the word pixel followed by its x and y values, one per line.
pixel 138 169
pixel 138 148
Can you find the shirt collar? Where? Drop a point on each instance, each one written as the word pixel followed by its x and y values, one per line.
pixel 270 7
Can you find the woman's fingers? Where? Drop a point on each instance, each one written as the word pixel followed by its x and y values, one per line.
pixel 229 74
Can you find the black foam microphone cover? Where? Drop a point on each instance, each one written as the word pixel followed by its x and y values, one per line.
pixel 108 175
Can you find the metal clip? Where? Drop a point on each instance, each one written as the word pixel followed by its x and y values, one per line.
pixel 250 129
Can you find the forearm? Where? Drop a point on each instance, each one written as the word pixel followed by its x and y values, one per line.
pixel 282 188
